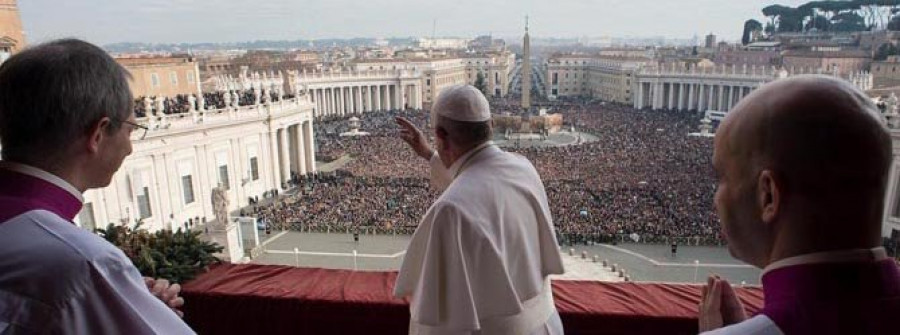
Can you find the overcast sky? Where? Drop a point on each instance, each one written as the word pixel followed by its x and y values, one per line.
pixel 169 21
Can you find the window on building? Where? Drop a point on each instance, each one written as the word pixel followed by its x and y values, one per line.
pixel 222 170
pixel 185 171
pixel 143 200
pixel 154 80
pixel 173 77
pixel 895 211
pixel 223 177
pixel 86 217
pixel 427 82
pixel 187 188
pixel 142 183
pixel 190 77
pixel 254 168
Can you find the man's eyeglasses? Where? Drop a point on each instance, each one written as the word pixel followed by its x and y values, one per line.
pixel 142 129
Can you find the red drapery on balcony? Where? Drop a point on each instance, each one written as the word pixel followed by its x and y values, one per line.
pixel 266 299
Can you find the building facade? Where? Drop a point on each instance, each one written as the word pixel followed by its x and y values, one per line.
pixel 567 76
pixel 168 179
pixel 749 57
pixel 892 197
pixel 163 76
pixel 607 78
pixel 370 85
pixel 701 89
pixel 714 89
pixel 886 73
pixel 497 70
pixel 355 92
pixel 839 62
pixel 12 37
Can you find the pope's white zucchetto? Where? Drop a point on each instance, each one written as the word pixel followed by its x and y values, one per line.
pixel 462 103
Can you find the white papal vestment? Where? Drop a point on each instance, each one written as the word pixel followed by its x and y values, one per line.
pixel 480 259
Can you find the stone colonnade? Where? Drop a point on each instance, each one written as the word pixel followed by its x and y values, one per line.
pixel 293 151
pixel 691 95
pixel 339 99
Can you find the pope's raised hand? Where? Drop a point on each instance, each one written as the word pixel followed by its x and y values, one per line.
pixel 410 134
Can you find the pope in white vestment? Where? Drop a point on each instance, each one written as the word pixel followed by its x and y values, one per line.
pixel 480 259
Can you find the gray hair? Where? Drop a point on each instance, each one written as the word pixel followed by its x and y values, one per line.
pixel 51 94
pixel 464 133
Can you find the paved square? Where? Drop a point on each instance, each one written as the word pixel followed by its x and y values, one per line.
pixel 642 262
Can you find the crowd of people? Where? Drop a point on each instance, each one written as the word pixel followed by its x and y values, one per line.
pixel 644 179
pixel 183 103
pixel 171 105
pixel 343 201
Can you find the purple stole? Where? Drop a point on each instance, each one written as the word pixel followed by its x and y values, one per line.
pixel 834 298
pixel 21 193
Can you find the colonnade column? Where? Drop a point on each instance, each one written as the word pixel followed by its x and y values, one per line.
pixel 358 96
pixel 690 97
pixel 670 97
pixel 323 101
pixel 721 98
pixel 378 97
pixel 326 100
pixel 348 99
pixel 318 97
pixel 640 94
pixel 370 99
pixel 285 155
pixel 729 98
pixel 661 96
pixel 301 151
pixel 339 101
pixel 310 149
pixel 273 154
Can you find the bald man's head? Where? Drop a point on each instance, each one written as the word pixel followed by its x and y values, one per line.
pixel 808 152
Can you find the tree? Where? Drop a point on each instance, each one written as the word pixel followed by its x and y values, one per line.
pixel 787 19
pixel 790 22
pixel 175 256
pixel 848 22
pixel 819 23
pixel 770 28
pixel 750 26
pixel 894 24
pixel 774 13
pixel 480 84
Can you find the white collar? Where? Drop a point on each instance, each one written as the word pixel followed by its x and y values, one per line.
pixel 455 168
pixel 43 175
pixel 839 256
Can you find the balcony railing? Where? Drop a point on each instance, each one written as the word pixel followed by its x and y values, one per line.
pixel 267 299
pixel 162 124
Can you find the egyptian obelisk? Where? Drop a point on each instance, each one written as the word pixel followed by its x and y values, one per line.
pixel 526 72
